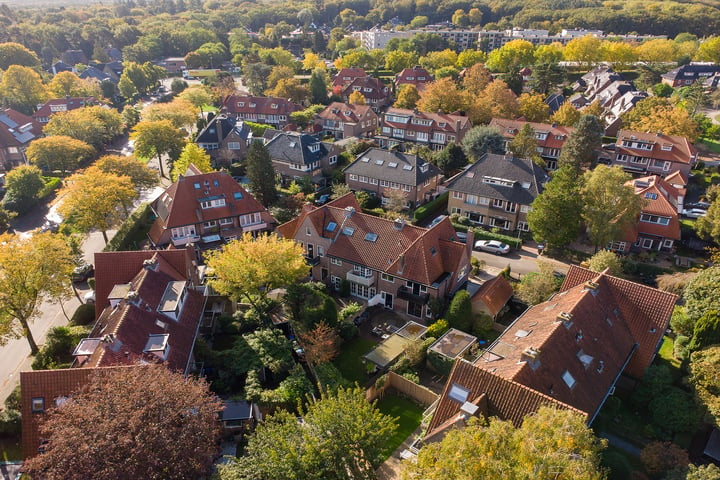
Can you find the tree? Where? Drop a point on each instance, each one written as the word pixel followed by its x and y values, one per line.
pixel 661 457
pixel 290 88
pixel 320 344
pixel 550 444
pixel 23 185
pixel 198 96
pixel 138 78
pixel 32 270
pixel 96 199
pixel 702 293
pixel 620 54
pixel 58 152
pixel 342 437
pixel 585 50
pixel 497 100
pixel 261 173
pixel 536 287
pixel 179 112
pixel 706 331
pixel 318 87
pixel 434 61
pixel 709 50
pixel 407 97
pixel 476 79
pixel 191 154
pixel 656 114
pixel 708 227
pixel 140 175
pixel 657 51
pixel 397 60
pixel 248 268
pixel 66 84
pixel 272 348
pixel 356 98
pixel 524 145
pixel 515 53
pixel 469 58
pixel 546 76
pixel 605 259
pixel 12 53
pixel 704 380
pixel 451 158
pixel 533 107
pixel 610 206
pixel 580 147
pixel 566 115
pixel 442 94
pixel 481 140
pixel 147 421
pixel 93 125
pixel 158 138
pixel 311 61
pixel 555 215
pixel 459 314
pixel 22 88
pixel 674 411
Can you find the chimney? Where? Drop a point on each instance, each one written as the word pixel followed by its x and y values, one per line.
pixel 401 263
pixel 399 223
pixel 349 211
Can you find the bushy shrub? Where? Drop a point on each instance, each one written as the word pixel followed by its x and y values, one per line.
pixel 329 377
pixel 481 234
pixel 59 346
pixel 680 350
pixel 424 211
pixel 84 315
pixel 349 310
pixel 347 330
pixel 459 314
pixel 128 229
pixel 436 329
pixel 10 423
pixel 344 288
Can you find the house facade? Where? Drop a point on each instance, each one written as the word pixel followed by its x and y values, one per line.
pixel 653 153
pixel 379 171
pixel 346 76
pixel 206 209
pixel 381 261
pixel 401 126
pixel 497 191
pixel 345 120
pixel 377 94
pixel 270 110
pixel 47 109
pixel 417 76
pixel 296 155
pixel 17 130
pixel 686 75
pixel 225 139
pixel 567 352
pixel 550 137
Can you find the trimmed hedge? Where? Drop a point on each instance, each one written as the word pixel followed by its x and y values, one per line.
pixel 128 229
pixel 424 211
pixel 51 184
pixel 84 315
pixel 481 234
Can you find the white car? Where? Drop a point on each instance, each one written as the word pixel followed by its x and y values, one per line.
pixel 694 213
pixel 89 297
pixel 492 246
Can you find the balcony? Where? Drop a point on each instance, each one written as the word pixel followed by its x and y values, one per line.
pixel 180 241
pixel 360 279
pixel 255 226
pixel 312 261
pixel 407 294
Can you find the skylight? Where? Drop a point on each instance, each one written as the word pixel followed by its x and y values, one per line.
pixel 568 379
pixel 365 159
pixel 458 393
pixel 237 195
pixel 392 165
pixel 379 162
pixel 407 167
pixel 371 237
pixel 331 227
pixel 348 231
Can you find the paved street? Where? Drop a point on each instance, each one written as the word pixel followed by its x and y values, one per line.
pixel 521 261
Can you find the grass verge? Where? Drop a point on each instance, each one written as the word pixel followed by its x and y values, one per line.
pixel 408 416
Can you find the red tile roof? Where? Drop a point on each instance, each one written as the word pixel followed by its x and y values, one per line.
pixel 345 112
pixel 17 129
pixel 57 105
pixel 409 76
pixel 662 199
pixel 246 105
pixel 646 311
pixel 347 75
pixel 677 178
pixel 556 134
pixel 377 89
pixel 494 293
pixel 439 122
pixel 680 149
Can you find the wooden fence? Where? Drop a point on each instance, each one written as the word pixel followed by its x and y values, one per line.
pixel 422 395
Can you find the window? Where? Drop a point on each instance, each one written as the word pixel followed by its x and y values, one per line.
pixel 498 203
pixel 38 405
pixel 647 243
pixel 182 232
pixel 524 208
pixel 568 379
pixel 331 227
pixel 458 393
pixel 333 160
pixel 226 221
pixel 362 271
pixel 651 195
pixel 654 219
pixel 320 251
pixel 237 195
pixel 336 261
pixel 353 176
pixel 307 231
pixel 335 281
pixel 373 181
pixel 250 219
pixel 371 237
pixel 523 226
pixel 348 231
pixel 667 243
pixel 388 278
pixel 210 224
pixel 484 201
pixel 212 203
pixel 197 186
pixel 234 145
pixel 471 199
pixel 617 246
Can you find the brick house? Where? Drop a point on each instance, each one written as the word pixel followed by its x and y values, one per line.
pixel 417 76
pixel 658 227
pixel 270 110
pixel 386 262
pixel 401 126
pixel 377 94
pixel 295 155
pixel 550 137
pixel 686 75
pixel 567 352
pixel 497 191
pixel 204 209
pixel 17 130
pixel 55 105
pixel 377 171
pixel 225 139
pixel 346 76
pixel 345 120
pixel 653 153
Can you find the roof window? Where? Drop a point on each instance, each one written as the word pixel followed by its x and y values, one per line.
pixel 331 227
pixel 371 237
pixel 458 393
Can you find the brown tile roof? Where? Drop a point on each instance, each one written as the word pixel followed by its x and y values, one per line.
pixel 661 198
pixel 57 105
pixel 345 112
pixel 246 105
pixel 510 128
pixel 48 385
pixel 506 399
pixel 681 150
pixel 646 311
pixel 410 76
pixel 441 122
pixel 494 293
pixel 677 178
pixel 347 75
pixel 378 90
pixel 179 205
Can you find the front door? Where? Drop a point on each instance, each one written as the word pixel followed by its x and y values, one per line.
pixel 310 250
pixel 388 300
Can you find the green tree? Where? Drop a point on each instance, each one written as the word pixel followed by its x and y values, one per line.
pixel 468 58
pixel 272 348
pixel 536 287
pixel 524 145
pixel 58 152
pixel 610 206
pixel 12 53
pixel 158 138
pixel 704 380
pixel 481 140
pixel 95 199
pixel 585 50
pixel 702 293
pixel 555 216
pixel 533 107
pixel 709 50
pixel 93 125
pixel 674 411
pixel 261 173
pixel 247 269
pixel 198 96
pixel 451 158
pixel 708 227
pixel 140 175
pixel 179 112
pixel 68 84
pixel 546 77
pixel 407 97
pixel 318 87
pixel 32 270
pixel 580 147
pixel 191 154
pixel 22 88
pixel 706 331
pixel 515 53
pixel 459 314
pixel 178 412
pixel 605 259
pixel 397 60
pixel 342 437
pixel 550 444
pixel 23 185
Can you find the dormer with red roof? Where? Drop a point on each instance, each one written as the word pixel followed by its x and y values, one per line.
pixel 204 209
pixel 434 130
pixel 550 137
pixel 377 94
pixel 55 105
pixel 346 120
pixel 386 262
pixel 346 76
pixel 269 110
pixel 416 75
pixel 654 153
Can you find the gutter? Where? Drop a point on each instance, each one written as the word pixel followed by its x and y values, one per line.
pixel 612 386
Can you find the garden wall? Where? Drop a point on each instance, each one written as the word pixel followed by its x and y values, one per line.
pixel 420 394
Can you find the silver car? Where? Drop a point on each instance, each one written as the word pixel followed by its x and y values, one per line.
pixel 492 246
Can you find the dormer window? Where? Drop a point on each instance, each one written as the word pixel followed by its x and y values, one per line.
pixel 315 147
pixel 241 104
pixel 274 106
pixel 253 105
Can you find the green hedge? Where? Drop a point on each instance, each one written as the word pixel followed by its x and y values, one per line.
pixel 424 211
pixel 84 315
pixel 129 229
pixel 51 184
pixel 481 234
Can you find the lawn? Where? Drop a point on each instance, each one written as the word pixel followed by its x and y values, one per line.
pixel 408 415
pixel 10 449
pixel 349 362
pixel 710 145
pixel 665 356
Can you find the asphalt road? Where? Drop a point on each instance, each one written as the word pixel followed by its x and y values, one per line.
pixel 521 261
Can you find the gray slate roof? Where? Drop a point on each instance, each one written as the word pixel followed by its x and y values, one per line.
pixel 220 127
pixel 294 147
pixel 474 180
pixel 378 163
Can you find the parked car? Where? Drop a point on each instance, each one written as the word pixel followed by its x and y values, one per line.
pixel 699 205
pixel 694 213
pixel 461 237
pixel 83 272
pixel 89 297
pixel 437 220
pixel 492 246
pixel 323 199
